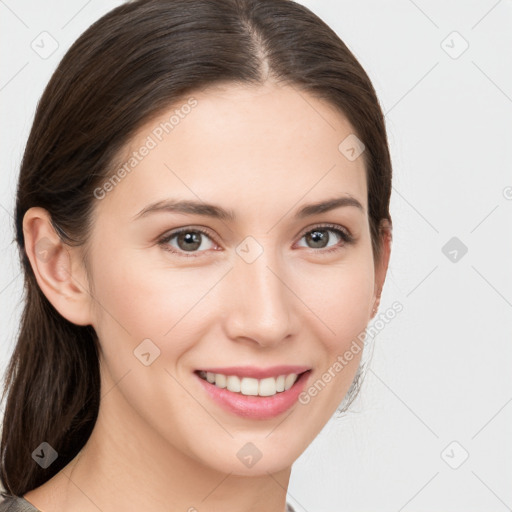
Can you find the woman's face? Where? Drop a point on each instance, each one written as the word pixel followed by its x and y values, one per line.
pixel 250 282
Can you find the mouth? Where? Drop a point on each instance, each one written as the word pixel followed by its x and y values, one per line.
pixel 250 386
pixel 240 392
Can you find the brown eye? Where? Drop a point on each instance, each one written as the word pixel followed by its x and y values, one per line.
pixel 331 237
pixel 187 241
pixel 317 239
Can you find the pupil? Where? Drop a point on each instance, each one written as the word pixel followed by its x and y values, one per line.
pixel 191 239
pixel 319 238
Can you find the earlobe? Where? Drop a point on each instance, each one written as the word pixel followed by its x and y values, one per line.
pixel 57 269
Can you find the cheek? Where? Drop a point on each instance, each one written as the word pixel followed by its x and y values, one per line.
pixel 342 305
pixel 137 301
pixel 340 297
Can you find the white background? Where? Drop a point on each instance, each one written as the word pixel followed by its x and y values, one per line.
pixel 441 370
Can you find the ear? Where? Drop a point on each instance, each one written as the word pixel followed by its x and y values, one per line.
pixel 57 267
pixel 381 267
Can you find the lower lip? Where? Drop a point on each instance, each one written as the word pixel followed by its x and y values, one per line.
pixel 256 407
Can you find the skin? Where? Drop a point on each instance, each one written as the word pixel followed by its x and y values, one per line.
pixel 159 442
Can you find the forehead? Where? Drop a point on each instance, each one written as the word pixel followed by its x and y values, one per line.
pixel 252 147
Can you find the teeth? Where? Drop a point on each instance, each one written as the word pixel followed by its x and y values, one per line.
pixel 249 386
pixel 220 380
pixel 289 381
pixel 268 386
pixel 233 384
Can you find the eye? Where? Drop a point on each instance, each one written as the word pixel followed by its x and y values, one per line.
pixel 187 240
pixel 319 238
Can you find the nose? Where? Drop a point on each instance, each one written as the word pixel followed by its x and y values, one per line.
pixel 260 305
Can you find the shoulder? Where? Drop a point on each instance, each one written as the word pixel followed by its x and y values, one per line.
pixel 9 503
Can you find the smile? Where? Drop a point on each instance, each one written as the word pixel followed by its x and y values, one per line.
pixel 253 393
pixel 250 386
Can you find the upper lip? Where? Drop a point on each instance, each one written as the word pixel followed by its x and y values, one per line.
pixel 256 372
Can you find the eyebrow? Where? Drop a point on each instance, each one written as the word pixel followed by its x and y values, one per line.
pixel 217 212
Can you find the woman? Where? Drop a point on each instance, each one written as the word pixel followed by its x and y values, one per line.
pixel 203 221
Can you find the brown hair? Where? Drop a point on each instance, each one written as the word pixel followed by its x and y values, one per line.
pixel 125 69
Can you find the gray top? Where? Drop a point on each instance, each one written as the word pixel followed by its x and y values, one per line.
pixel 9 503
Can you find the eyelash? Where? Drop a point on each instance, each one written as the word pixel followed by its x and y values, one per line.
pixel 345 236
